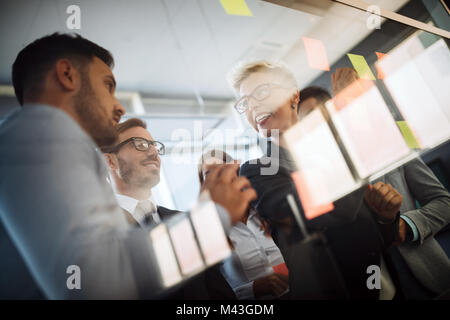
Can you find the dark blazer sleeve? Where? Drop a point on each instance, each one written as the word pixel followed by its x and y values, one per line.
pixel 434 199
pixel 271 203
pixel 350 229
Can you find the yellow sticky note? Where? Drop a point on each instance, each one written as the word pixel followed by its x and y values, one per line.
pixel 236 7
pixel 408 135
pixel 361 66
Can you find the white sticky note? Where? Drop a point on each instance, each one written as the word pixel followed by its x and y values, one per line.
pixel 165 256
pixel 324 170
pixel 368 131
pixel 210 233
pixel 186 248
pixel 419 85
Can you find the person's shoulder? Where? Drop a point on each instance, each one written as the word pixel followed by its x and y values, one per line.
pixel 252 167
pixel 267 166
pixel 39 121
pixel 39 133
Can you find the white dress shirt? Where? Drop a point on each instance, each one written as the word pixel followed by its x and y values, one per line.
pixel 254 256
pixel 139 209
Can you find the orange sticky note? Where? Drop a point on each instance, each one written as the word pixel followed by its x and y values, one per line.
pixel 236 7
pixel 316 54
pixel 361 66
pixel 380 73
pixel 311 210
pixel 281 269
pixel 352 92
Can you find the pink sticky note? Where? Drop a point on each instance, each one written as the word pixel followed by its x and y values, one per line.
pixel 316 53
pixel 281 269
pixel 311 211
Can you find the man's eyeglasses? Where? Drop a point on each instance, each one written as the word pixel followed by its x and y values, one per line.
pixel 141 144
pixel 260 93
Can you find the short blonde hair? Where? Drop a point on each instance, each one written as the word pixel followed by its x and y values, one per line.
pixel 243 70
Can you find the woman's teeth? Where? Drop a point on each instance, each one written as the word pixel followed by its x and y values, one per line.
pixel 260 118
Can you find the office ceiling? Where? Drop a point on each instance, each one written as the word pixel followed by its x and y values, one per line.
pixel 184 48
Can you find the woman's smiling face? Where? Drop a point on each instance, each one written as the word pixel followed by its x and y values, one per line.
pixel 274 111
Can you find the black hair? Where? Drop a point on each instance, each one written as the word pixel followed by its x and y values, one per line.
pixel 319 93
pixel 36 59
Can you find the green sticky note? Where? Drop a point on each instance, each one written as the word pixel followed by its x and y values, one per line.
pixel 408 135
pixel 236 7
pixel 361 66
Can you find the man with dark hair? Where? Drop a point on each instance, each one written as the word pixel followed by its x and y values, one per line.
pixel 58 213
pixel 134 164
pixel 51 68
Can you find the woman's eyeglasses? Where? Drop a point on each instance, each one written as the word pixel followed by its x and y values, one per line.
pixel 260 93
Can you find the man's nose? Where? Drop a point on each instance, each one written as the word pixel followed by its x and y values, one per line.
pixel 119 109
pixel 152 151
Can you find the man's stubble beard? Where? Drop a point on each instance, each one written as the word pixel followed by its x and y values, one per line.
pixel 128 174
pixel 93 118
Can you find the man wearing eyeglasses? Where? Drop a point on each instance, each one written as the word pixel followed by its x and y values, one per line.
pixel 134 165
pixel 59 220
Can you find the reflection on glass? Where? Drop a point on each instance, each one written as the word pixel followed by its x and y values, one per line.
pixel 210 234
pixel 165 257
pixel 185 247
pixel 366 128
pixel 324 174
pixel 418 79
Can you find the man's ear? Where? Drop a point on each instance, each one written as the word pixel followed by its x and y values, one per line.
pixel 111 160
pixel 67 76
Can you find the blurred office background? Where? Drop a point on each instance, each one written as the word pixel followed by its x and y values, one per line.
pixel 172 58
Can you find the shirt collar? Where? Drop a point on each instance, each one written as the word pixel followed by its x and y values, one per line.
pixel 129 203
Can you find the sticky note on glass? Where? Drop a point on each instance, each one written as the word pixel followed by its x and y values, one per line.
pixel 368 131
pixel 305 192
pixel 186 248
pixel 316 54
pixel 236 7
pixel 281 269
pixel 361 66
pixel 408 135
pixel 210 233
pixel 380 72
pixel 165 256
pixel 323 175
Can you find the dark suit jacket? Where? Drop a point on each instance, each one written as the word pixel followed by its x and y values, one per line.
pixel 354 239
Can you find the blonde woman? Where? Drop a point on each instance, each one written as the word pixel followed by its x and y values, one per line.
pixel 268 97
